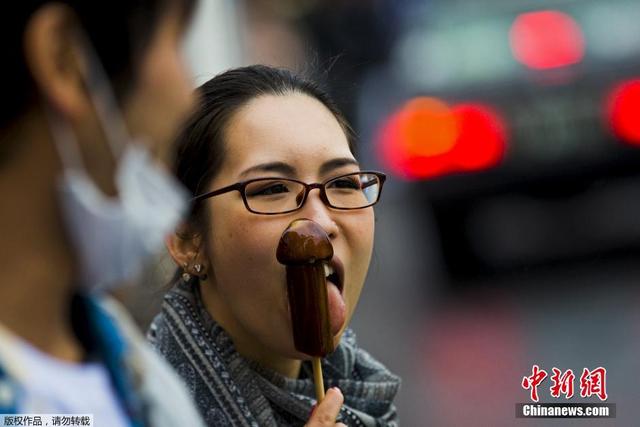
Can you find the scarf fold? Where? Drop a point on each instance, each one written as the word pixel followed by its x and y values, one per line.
pixel 233 391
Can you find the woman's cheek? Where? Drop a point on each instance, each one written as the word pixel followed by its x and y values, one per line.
pixel 256 269
pixel 361 246
pixel 362 240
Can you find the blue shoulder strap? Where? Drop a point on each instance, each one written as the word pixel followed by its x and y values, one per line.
pixel 112 349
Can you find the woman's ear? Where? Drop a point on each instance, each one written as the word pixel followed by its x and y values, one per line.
pixel 184 245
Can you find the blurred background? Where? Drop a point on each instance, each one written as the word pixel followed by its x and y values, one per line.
pixel 509 230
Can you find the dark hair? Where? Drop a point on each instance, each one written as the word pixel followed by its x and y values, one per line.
pixel 119 31
pixel 200 147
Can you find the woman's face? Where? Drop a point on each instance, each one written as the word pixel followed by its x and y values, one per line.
pixel 292 136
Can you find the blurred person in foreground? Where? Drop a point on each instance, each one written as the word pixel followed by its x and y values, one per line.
pixel 259 136
pixel 93 91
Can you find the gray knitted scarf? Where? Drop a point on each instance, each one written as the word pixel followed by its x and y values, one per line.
pixel 230 390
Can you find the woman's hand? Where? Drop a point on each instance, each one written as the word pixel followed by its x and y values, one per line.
pixel 324 415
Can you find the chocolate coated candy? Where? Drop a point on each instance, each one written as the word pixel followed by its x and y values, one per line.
pixel 304 248
pixel 304 242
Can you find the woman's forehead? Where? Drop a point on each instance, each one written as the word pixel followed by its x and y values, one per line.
pixel 290 128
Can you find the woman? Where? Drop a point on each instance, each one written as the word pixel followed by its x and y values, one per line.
pixel 70 177
pixel 225 326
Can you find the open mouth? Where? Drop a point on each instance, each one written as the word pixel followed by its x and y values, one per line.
pixel 333 274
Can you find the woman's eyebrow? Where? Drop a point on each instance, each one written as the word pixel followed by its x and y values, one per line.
pixel 280 167
pixel 332 164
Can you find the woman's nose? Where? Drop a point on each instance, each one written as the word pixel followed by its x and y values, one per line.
pixel 316 210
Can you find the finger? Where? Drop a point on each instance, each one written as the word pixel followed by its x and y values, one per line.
pixel 326 412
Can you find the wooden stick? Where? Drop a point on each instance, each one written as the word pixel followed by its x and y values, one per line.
pixel 317 379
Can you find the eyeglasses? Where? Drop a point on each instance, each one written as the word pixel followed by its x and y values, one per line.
pixel 271 196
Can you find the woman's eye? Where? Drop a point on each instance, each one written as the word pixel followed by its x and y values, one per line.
pixel 269 190
pixel 346 183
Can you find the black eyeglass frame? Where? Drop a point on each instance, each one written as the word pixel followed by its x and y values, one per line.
pixel 241 186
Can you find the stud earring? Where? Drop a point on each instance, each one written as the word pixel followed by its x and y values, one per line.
pixel 185 276
pixel 199 268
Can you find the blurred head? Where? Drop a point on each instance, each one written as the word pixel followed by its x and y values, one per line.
pixel 259 122
pixel 86 79
pixel 46 60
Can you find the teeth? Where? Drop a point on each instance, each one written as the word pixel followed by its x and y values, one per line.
pixel 328 270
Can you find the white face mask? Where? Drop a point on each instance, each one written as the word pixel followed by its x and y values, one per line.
pixel 114 236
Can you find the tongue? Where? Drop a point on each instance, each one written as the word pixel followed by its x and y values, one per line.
pixel 337 309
